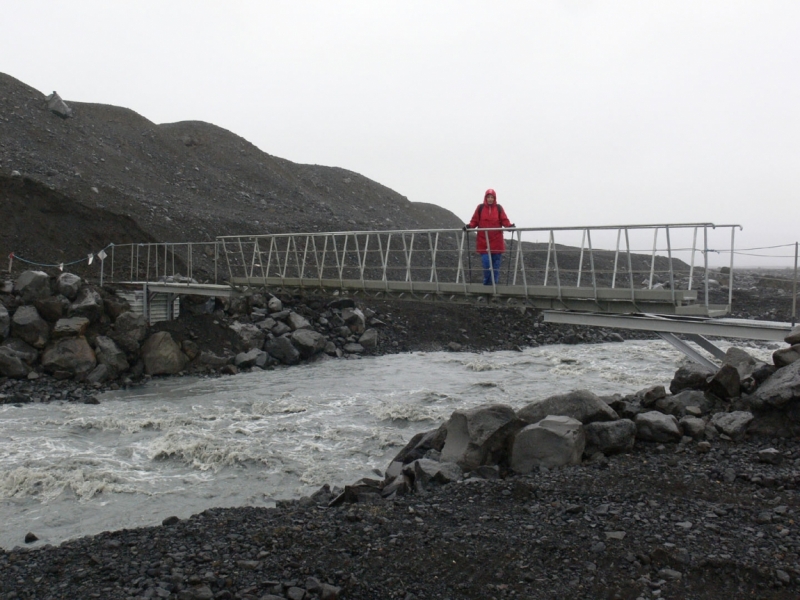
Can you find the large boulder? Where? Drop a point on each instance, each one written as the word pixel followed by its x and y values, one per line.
pixel 52 308
pixel 69 285
pixel 282 349
pixel 32 285
pixel 28 326
pixel 425 470
pixel 308 342
pixel 5 322
pixel 11 364
pixel 418 447
pixel 111 355
pixel 71 355
pixel 778 390
pixel 582 405
pixel 70 327
pixel 786 356
pixel 355 320
pixel 725 383
pixel 654 426
pixel 794 336
pixel 610 437
pixel 479 436
pixel 27 353
pixel 88 304
pixel 250 335
pixel 129 331
pixel 369 339
pixel 162 355
pixel 554 441
pixel 691 376
pixel 744 362
pixel 678 404
pixel 733 424
pixel 245 360
pixel 297 321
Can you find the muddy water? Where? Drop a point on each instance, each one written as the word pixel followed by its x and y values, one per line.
pixel 177 447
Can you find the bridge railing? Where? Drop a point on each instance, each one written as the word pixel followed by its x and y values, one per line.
pixel 669 257
pixel 181 262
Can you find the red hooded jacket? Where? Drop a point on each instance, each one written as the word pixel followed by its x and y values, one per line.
pixel 490 215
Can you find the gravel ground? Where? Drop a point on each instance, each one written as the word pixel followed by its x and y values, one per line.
pixel 664 521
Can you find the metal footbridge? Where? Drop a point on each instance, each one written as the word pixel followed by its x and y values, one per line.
pixel 655 277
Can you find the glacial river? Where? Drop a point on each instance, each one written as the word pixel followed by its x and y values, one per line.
pixel 179 446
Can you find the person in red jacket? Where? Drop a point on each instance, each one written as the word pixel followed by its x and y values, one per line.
pixel 490 215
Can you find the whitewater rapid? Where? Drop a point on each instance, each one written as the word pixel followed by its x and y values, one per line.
pixel 179 446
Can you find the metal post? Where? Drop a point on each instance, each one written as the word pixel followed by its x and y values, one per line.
pixel 694 251
pixel 580 259
pixel 653 259
pixel 794 288
pixel 616 257
pixel 705 259
pixel 730 272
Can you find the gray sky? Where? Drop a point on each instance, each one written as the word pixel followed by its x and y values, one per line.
pixel 577 112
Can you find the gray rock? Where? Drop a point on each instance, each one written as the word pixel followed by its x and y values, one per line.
pixel 274 305
pixel 725 383
pixel 733 424
pixel 69 285
pixel 282 349
pixel 427 471
pixel 354 319
pixel 267 324
pixel 745 363
pixel 111 355
pixel 793 337
pixel 296 321
pixel 610 437
pixel 32 285
pixel 369 339
pixel 691 376
pixel 70 327
pixel 678 404
pixel 57 106
pixel 5 322
pixel 88 304
pixel 129 331
pixel 554 441
pixel 71 355
pixel 778 390
pixel 786 356
pixel 479 436
pixel 11 365
pixel 162 356
pixel 280 329
pixel 582 405
pixel 28 326
pixel 53 308
pixel 24 351
pixel 654 426
pixel 99 374
pixel 209 358
pixel 251 336
pixel 244 360
pixel 693 427
pixel 354 348
pixel 308 342
pixel 770 456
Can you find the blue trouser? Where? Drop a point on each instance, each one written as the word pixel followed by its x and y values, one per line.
pixel 488 269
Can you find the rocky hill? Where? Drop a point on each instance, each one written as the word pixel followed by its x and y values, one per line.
pixel 69 186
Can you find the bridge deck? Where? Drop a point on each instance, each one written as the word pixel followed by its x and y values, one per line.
pixel 612 300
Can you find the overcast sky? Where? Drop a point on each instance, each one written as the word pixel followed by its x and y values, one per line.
pixel 577 112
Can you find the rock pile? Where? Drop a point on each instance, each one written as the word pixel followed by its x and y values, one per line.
pixel 68 330
pixel 744 397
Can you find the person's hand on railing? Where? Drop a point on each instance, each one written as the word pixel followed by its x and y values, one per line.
pixel 465 227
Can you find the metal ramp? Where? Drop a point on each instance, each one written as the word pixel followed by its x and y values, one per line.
pixel 693 329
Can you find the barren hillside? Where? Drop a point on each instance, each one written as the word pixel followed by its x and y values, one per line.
pixel 109 175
